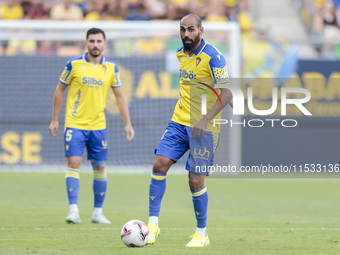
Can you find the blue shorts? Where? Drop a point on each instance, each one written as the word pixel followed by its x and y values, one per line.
pixel 177 139
pixel 95 141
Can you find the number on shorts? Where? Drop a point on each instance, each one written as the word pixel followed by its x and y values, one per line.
pixel 69 135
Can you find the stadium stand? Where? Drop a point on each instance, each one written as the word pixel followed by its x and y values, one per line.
pixel 118 9
pixel 96 10
pixel 322 22
pixel 314 24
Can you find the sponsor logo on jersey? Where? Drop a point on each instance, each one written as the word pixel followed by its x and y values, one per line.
pixel 185 75
pixel 93 81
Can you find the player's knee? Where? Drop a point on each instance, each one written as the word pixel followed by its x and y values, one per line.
pixel 74 163
pixel 100 168
pixel 196 183
pixel 159 167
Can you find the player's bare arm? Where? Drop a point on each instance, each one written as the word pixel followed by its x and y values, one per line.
pixel 200 127
pixel 57 102
pixel 124 111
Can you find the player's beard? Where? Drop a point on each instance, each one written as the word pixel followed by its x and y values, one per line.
pixel 190 46
pixel 95 55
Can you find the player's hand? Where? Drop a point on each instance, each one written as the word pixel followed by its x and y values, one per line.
pixel 199 128
pixel 130 133
pixel 54 127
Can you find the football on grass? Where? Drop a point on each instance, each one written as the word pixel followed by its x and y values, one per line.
pixel 135 233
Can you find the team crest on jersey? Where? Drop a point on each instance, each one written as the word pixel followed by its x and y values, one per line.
pixel 104 67
pixel 83 67
pixel 198 60
pixel 67 146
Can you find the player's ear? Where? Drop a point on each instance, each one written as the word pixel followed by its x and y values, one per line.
pixel 105 43
pixel 201 30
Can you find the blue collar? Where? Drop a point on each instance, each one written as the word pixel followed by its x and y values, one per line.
pixel 198 50
pixel 102 61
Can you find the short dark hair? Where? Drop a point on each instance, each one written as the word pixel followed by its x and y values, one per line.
pixel 94 31
pixel 198 19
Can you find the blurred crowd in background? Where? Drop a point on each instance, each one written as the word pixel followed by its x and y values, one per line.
pixel 210 10
pixel 115 10
pixel 321 19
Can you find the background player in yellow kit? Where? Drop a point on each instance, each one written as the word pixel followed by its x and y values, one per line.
pixel 188 129
pixel 89 78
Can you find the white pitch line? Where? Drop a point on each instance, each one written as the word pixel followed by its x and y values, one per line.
pixel 178 229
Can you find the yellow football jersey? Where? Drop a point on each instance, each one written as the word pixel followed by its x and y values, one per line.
pixel 89 85
pixel 198 75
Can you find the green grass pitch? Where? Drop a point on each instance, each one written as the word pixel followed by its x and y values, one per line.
pixel 245 216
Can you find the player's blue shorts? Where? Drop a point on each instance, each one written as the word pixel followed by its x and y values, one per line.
pixel 177 139
pixel 94 140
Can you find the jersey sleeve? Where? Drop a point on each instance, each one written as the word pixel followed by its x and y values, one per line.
pixel 219 70
pixel 116 78
pixel 67 75
pixel 179 54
